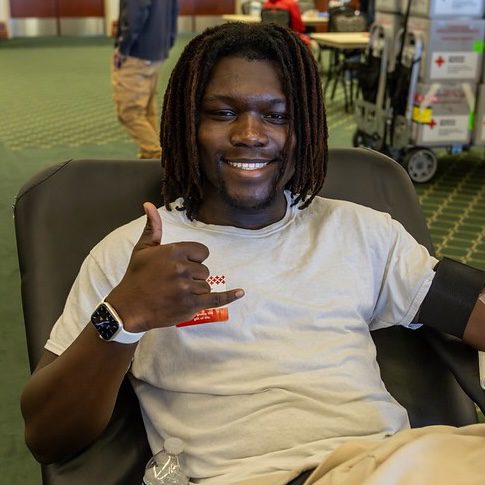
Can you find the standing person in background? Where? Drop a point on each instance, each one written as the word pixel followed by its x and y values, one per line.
pixel 146 32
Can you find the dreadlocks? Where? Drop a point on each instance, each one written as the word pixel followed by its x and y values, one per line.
pixel 181 107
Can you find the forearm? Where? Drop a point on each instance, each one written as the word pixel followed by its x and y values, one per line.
pixel 68 403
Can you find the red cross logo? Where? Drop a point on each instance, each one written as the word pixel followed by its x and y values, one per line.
pixel 432 123
pixel 440 61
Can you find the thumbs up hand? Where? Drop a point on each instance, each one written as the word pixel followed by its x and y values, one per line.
pixel 164 284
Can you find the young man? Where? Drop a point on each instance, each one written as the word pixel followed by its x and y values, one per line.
pixel 288 372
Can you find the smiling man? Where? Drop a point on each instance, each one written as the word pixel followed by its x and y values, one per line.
pixel 285 375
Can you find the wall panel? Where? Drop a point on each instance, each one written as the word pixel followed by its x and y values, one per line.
pixel 206 7
pixel 33 8
pixel 83 8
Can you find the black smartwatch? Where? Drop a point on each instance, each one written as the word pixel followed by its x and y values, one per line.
pixel 110 327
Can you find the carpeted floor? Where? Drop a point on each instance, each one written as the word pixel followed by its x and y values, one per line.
pixel 454 205
pixel 55 100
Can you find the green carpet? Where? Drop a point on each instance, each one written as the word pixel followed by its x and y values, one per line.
pixel 55 99
pixel 454 205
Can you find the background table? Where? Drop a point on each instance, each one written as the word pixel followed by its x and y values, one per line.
pixel 339 42
pixel 342 40
pixel 307 19
pixel 251 19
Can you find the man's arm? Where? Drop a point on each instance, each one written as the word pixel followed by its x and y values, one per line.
pixel 296 21
pixel 132 21
pixel 69 399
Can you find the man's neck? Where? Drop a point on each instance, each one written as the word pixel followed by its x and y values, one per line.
pixel 244 218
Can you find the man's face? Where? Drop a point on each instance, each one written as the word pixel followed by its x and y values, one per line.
pixel 241 135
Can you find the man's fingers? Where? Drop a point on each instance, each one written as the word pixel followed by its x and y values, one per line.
pixel 152 233
pixel 217 299
pixel 198 271
pixel 195 251
pixel 200 287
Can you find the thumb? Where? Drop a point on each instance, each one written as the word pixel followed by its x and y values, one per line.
pixel 152 233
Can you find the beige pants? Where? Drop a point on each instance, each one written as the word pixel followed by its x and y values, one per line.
pixel 134 93
pixel 435 455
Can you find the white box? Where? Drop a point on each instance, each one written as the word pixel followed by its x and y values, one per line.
pixel 446 8
pixel 388 6
pixel 452 49
pixel 479 131
pixel 443 114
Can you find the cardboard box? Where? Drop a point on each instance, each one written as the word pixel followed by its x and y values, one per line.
pixel 446 8
pixel 388 6
pixel 453 49
pixel 479 131
pixel 443 114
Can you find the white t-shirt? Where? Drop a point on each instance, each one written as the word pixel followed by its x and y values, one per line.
pixel 292 373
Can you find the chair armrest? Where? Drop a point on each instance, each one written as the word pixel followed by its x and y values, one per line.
pixel 117 457
pixel 462 360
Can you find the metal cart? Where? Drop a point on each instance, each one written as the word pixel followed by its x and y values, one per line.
pixel 394 117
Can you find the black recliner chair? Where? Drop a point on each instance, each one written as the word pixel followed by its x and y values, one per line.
pixel 65 210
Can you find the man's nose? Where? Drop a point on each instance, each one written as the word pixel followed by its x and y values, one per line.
pixel 249 130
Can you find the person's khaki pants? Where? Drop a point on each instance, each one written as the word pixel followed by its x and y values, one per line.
pixel 134 93
pixel 435 455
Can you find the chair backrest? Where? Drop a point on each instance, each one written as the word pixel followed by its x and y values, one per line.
pixel 51 246
pixel 345 19
pixel 276 15
pixel 58 220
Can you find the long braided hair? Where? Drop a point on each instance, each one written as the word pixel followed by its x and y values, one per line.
pixel 187 84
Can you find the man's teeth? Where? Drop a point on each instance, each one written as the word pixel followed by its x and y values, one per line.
pixel 248 166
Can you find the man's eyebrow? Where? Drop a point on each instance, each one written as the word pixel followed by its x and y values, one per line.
pixel 229 99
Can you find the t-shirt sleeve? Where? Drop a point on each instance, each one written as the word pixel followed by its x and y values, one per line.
pixel 89 288
pixel 407 276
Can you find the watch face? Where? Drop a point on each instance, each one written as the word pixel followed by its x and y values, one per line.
pixel 105 323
